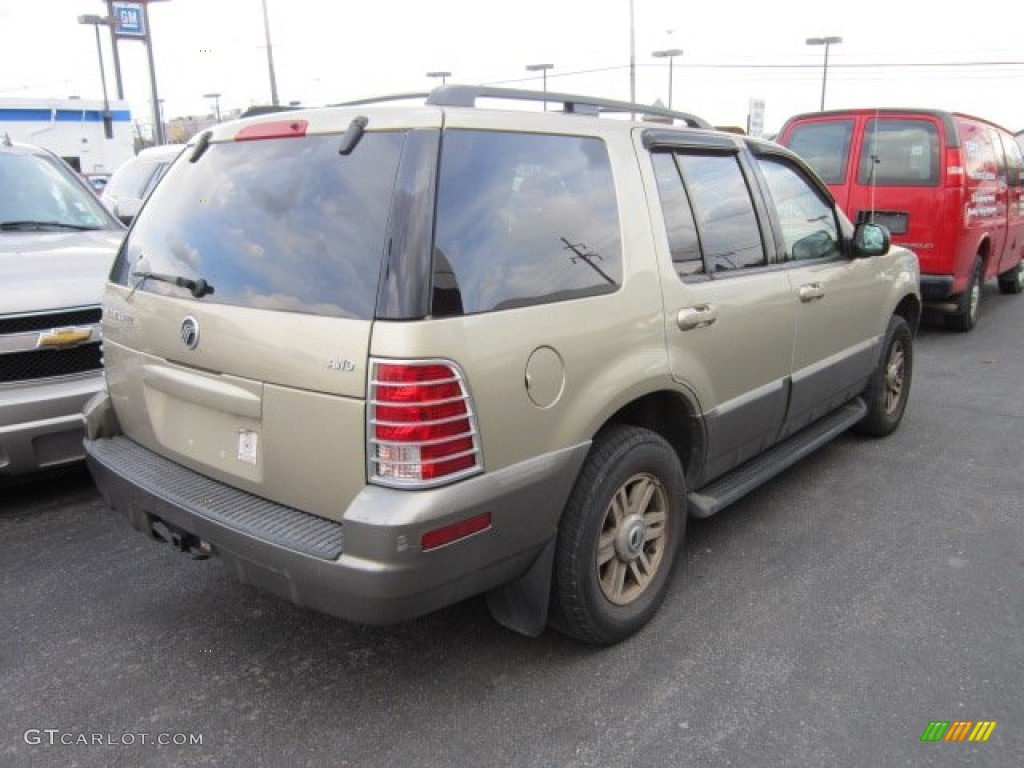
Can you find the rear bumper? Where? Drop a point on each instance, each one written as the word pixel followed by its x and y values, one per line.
pixel 41 424
pixel 936 287
pixel 370 568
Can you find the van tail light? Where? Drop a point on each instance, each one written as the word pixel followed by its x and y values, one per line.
pixel 954 167
pixel 421 426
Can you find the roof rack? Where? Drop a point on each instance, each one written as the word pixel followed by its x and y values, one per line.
pixel 467 95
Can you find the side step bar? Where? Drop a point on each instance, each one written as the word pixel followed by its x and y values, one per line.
pixel 742 480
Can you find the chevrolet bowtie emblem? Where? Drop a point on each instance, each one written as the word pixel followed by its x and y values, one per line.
pixel 60 338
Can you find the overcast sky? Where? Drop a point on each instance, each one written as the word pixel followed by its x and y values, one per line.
pixel 894 52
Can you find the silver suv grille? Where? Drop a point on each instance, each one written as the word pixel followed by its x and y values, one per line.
pixel 31 346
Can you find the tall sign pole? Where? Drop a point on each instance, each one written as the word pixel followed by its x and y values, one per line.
pixel 113 48
pixel 158 118
pixel 131 20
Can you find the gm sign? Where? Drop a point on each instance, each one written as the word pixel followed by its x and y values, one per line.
pixel 129 20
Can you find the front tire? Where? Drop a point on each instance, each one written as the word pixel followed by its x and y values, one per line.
pixel 619 536
pixel 1012 280
pixel 889 387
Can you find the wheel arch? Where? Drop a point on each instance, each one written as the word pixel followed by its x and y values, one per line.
pixel 673 416
pixel 909 308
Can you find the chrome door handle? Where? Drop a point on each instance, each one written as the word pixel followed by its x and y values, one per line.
pixel 811 292
pixel 700 316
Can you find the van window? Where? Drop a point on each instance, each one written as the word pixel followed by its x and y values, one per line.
pixel 1014 161
pixel 825 146
pixel 523 219
pixel 899 152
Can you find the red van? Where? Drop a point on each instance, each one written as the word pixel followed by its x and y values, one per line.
pixel 947 185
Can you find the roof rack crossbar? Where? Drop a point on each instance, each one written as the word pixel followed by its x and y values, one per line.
pixel 466 96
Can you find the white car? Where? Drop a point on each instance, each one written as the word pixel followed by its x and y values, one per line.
pixel 57 243
pixel 135 179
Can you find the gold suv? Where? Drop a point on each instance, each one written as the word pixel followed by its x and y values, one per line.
pixel 379 358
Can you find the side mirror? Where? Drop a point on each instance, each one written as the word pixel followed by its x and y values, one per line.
pixel 127 209
pixel 816 245
pixel 871 240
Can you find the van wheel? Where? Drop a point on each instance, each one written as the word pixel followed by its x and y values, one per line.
pixel 966 315
pixel 619 536
pixel 1012 280
pixel 889 387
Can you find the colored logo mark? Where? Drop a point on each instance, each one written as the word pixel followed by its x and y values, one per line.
pixel 958 730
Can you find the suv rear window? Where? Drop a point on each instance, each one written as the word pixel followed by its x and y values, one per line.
pixel 282 224
pixel 899 153
pixel 523 219
pixel 825 146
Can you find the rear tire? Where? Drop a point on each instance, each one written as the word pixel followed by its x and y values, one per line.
pixel 1012 280
pixel 889 387
pixel 619 536
pixel 966 315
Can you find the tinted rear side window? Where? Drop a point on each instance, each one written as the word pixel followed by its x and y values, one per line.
pixel 825 146
pixel 681 227
pixel 899 153
pixel 724 210
pixel 282 224
pixel 523 219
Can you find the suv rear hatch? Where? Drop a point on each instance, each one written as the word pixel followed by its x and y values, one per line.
pixel 238 326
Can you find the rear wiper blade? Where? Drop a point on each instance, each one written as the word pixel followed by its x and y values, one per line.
pixel 35 225
pixel 197 288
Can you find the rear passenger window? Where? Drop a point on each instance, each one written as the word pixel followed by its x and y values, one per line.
pixel 675 205
pixel 899 153
pixel 808 222
pixel 724 211
pixel 825 146
pixel 523 219
pixel 708 210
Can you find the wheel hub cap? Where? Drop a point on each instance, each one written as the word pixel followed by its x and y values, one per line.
pixel 633 538
pixel 630 541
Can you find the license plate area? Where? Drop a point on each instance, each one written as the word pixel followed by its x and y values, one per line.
pixel 897 222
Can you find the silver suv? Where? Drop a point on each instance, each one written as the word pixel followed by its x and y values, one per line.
pixel 57 243
pixel 382 358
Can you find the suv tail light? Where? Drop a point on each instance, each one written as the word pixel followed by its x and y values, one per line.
pixel 421 428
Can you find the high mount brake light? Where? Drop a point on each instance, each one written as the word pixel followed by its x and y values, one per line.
pixel 421 426
pixel 278 129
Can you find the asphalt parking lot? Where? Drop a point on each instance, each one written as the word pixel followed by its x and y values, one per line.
pixel 825 620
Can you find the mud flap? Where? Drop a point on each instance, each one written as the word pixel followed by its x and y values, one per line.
pixel 522 604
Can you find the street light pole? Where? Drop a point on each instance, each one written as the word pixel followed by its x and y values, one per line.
pixel 826 41
pixel 632 56
pixel 670 54
pixel 96 22
pixel 216 103
pixel 543 69
pixel 443 75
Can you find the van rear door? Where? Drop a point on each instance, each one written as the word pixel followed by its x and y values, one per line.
pixel 898 183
